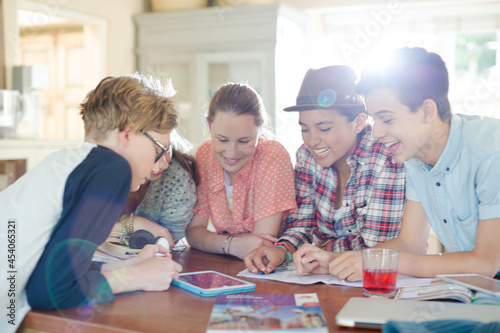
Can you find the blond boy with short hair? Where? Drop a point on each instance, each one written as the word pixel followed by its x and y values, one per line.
pixel 67 205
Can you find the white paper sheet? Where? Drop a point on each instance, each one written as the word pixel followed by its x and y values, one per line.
pixel 290 275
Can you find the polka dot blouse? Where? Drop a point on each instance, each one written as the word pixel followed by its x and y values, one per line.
pixel 263 187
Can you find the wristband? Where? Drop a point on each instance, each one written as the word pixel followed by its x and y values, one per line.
pixel 229 245
pixel 224 245
pixel 325 244
pixel 288 255
pixel 228 238
pixel 285 245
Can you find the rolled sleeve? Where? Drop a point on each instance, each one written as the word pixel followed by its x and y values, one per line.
pixel 488 188
pixel 411 194
pixel 276 176
pixel 203 157
pixel 301 223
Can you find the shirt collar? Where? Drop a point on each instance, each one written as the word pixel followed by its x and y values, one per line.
pixel 362 152
pixel 247 168
pixel 218 180
pixel 86 144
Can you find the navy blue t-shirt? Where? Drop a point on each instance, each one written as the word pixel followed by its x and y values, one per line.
pixel 94 196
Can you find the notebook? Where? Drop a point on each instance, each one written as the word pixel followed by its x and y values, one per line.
pixel 375 312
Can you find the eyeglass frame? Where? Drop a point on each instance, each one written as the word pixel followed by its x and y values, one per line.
pixel 162 147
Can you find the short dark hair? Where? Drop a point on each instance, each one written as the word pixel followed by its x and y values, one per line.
pixel 416 75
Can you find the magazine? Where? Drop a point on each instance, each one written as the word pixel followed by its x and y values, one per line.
pixel 446 291
pixel 267 313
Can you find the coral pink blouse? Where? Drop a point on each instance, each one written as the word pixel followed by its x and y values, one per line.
pixel 263 187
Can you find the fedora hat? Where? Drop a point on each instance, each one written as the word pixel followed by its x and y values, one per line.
pixel 328 88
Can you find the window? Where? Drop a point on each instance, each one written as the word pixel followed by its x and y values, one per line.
pixel 73 47
pixel 475 85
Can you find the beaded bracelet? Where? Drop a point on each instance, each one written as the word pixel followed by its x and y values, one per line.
pixel 122 224
pixel 287 248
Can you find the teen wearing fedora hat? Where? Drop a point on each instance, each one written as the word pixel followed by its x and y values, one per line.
pixel 350 194
pixel 246 179
pixel 453 173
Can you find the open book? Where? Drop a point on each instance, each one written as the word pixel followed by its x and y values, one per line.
pixel 267 313
pixel 446 291
pixel 111 250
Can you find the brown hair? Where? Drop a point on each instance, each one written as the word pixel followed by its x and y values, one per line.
pixel 240 98
pixel 181 148
pixel 119 101
pixel 415 75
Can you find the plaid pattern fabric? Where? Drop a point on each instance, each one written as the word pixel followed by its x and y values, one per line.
pixel 372 203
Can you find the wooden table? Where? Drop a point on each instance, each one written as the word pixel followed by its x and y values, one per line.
pixel 177 310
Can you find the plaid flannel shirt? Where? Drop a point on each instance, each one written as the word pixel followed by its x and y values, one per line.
pixel 372 203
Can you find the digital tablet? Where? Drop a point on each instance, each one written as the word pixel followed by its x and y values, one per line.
pixel 475 282
pixel 211 283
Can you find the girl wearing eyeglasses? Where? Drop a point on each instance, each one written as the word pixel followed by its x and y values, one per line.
pixel 164 204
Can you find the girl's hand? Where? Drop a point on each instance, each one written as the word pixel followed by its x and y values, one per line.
pixel 243 244
pixel 264 259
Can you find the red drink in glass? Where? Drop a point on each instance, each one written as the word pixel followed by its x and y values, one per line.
pixel 379 282
pixel 380 270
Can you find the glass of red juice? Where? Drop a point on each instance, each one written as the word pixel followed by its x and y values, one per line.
pixel 380 269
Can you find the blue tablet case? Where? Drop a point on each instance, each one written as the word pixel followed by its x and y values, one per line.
pixel 247 286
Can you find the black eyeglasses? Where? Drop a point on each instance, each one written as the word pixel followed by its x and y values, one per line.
pixel 164 150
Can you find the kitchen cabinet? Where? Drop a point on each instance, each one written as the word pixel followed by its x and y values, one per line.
pixel 201 49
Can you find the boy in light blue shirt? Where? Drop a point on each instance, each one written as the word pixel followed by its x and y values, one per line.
pixel 452 167
pixel 463 187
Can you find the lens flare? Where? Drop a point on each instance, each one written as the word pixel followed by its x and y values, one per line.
pixel 326 98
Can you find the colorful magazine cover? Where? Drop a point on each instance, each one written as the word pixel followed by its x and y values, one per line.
pixel 267 313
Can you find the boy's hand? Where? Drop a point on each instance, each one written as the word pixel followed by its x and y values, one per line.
pixel 157 273
pixel 347 266
pixel 149 251
pixel 146 271
pixel 264 259
pixel 310 259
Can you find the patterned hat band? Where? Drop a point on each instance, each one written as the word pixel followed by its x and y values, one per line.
pixel 329 97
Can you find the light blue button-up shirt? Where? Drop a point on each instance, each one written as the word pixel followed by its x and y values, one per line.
pixel 464 185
